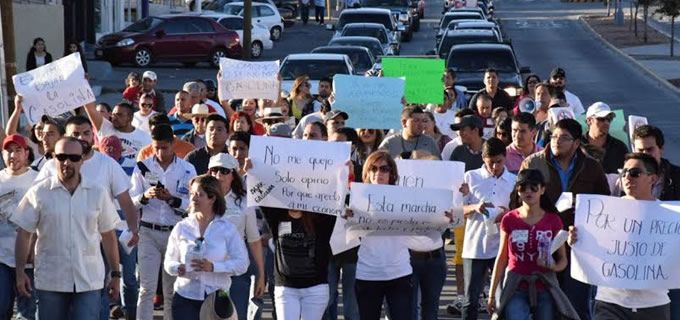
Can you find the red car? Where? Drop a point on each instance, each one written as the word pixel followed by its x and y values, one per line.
pixel 186 39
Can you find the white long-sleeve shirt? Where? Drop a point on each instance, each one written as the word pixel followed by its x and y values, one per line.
pixel 175 179
pixel 243 217
pixel 221 244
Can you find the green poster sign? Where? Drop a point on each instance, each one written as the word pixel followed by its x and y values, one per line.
pixel 424 77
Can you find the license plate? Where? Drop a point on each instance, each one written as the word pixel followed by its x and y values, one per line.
pixel 99 53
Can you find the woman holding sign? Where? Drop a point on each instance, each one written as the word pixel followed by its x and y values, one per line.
pixel 526 239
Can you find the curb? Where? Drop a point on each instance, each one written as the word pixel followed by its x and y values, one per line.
pixel 631 59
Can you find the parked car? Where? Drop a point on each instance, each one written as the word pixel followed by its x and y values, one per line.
pixel 263 13
pixel 287 8
pixel 479 25
pixel 259 34
pixel 373 30
pixel 366 15
pixel 470 9
pixel 470 60
pixel 186 39
pixel 362 59
pixel 456 37
pixel 371 44
pixel 454 16
pixel 313 65
pixel 404 11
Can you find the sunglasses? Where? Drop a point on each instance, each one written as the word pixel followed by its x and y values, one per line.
pixel 632 172
pixel 71 157
pixel 222 171
pixel 146 104
pixel 524 187
pixel 532 82
pixel 382 169
pixel 558 78
pixel 607 119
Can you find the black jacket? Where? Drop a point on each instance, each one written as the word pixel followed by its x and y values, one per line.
pixel 610 156
pixel 30 60
pixel 671 181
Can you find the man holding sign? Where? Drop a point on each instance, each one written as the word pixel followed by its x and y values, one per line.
pixel 651 300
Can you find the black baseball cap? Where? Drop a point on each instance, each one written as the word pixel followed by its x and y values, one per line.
pixel 471 121
pixel 558 72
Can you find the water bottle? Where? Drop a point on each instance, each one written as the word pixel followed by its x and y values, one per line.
pixel 544 251
pixel 194 253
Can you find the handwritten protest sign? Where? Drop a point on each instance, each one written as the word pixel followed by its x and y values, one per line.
pixel 434 174
pixel 54 88
pixel 424 81
pixel 625 243
pixel 633 123
pixel 370 102
pixel 246 80
pixel 394 210
pixel 298 174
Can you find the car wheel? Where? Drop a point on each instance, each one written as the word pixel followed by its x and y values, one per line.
pixel 275 33
pixel 216 55
pixel 256 49
pixel 143 57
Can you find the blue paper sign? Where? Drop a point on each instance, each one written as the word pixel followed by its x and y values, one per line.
pixel 370 102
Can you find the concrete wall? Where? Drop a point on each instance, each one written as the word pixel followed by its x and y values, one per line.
pixel 36 20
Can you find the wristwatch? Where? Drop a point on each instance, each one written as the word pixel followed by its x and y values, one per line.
pixel 116 274
pixel 174 202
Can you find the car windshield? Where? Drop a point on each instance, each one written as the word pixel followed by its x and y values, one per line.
pixel 449 42
pixel 216 5
pixel 366 32
pixel 233 9
pixel 384 19
pixel 372 46
pixel 143 25
pixel 384 3
pixel 314 69
pixel 361 60
pixel 479 60
pixel 451 17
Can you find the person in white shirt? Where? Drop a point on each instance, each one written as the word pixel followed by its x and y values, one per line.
pixel 160 188
pixel 640 173
pixel 133 139
pixel 15 179
pixel 140 119
pixel 204 250
pixel 558 78
pixel 449 146
pixel 69 216
pixel 225 168
pixel 486 197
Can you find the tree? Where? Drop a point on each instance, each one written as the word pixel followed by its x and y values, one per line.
pixel 670 8
pixel 645 14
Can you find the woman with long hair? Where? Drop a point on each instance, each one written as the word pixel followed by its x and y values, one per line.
pixel 372 138
pixel 225 168
pixel 526 235
pixel 528 90
pixel 300 96
pixel 37 55
pixel 434 132
pixel 203 250
pixel 73 47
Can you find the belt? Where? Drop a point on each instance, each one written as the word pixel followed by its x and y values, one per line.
pixel 156 227
pixel 437 253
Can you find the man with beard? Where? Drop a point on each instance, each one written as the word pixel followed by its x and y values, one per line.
pixel 69 215
pixel 216 134
pixel 149 82
pixel 558 78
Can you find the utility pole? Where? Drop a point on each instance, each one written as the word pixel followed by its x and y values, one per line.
pixel 7 58
pixel 247 28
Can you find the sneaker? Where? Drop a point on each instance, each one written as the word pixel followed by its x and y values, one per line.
pixel 158 302
pixel 456 308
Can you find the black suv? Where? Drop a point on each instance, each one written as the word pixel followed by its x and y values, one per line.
pixel 404 11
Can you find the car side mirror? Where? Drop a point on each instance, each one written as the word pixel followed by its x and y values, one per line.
pixel 330 27
pixel 524 70
pixel 160 33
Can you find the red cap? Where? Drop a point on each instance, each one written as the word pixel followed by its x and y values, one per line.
pixel 15 138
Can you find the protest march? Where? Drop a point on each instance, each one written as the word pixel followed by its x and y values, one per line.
pixel 353 200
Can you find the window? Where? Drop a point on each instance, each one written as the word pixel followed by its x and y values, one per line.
pixel 232 23
pixel 265 11
pixel 175 27
pixel 200 25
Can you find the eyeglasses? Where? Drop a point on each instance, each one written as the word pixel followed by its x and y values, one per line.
pixel 149 105
pixel 558 78
pixel 71 157
pixel 222 171
pixel 532 82
pixel 382 169
pixel 603 119
pixel 561 138
pixel 632 172
pixel 524 187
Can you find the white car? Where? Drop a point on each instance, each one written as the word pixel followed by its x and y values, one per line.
pixel 260 38
pixel 263 13
pixel 315 66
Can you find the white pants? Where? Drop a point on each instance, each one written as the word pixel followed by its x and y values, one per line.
pixel 306 303
pixel 151 252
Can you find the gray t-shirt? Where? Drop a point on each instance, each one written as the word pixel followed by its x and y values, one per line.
pixel 463 154
pixel 396 144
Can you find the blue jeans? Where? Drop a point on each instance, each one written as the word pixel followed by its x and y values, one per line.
pixel 429 275
pixel 475 273
pixel 26 306
pixel 269 273
pixel 130 286
pixel 674 295
pixel 69 305
pixel 350 308
pixel 518 306
pixel 580 294
pixel 240 290
pixel 183 308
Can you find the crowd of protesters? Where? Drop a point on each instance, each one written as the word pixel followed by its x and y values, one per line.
pixel 169 178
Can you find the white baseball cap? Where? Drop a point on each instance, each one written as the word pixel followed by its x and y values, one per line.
pixel 223 160
pixel 598 110
pixel 149 75
pixel 200 109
